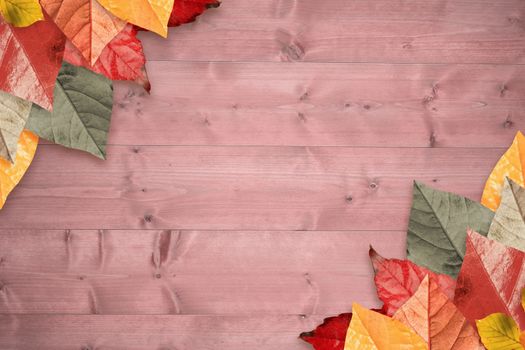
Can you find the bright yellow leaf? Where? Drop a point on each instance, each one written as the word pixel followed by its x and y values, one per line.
pixel 371 330
pixel 499 332
pixel 511 165
pixel 152 15
pixel 11 173
pixel 21 13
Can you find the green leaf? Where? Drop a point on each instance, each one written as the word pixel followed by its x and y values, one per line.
pixel 438 225
pixel 14 112
pixel 81 111
pixel 508 226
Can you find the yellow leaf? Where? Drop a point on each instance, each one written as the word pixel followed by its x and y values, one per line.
pixel 152 15
pixel 523 298
pixel 21 13
pixel 499 332
pixel 370 330
pixel 510 165
pixel 11 173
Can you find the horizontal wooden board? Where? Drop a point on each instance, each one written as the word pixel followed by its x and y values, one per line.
pixel 228 188
pixel 413 31
pixel 189 272
pixel 140 332
pixel 364 105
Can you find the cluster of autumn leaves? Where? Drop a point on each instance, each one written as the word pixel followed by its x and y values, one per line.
pixel 58 59
pixel 462 286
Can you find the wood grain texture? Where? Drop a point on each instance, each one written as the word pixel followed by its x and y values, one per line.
pixel 139 332
pixel 238 200
pixel 188 272
pixel 315 104
pixel 400 31
pixel 243 188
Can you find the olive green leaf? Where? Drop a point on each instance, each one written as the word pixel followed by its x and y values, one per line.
pixel 438 225
pixel 81 111
pixel 508 226
pixel 14 112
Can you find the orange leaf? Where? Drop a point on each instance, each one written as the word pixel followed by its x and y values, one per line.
pixel 371 330
pixel 11 173
pixel 436 319
pixel 152 15
pixel 510 165
pixel 85 23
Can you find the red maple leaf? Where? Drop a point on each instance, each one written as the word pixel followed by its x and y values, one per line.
pixel 330 335
pixel 185 11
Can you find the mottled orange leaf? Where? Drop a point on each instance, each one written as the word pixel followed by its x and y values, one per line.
pixel 12 173
pixel 511 165
pixel 85 23
pixel 431 314
pixel 152 15
pixel 371 330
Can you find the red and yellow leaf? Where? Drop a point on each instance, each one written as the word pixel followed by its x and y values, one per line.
pixel 122 59
pixel 30 61
pixel 397 280
pixel 490 280
pixel 85 23
pixel 431 314
pixel 511 165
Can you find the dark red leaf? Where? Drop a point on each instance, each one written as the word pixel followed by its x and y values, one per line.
pixel 397 280
pixel 122 59
pixel 490 280
pixel 330 335
pixel 185 11
pixel 30 60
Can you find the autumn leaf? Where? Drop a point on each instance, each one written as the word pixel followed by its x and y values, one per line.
pixel 152 15
pixel 85 23
pixel 12 173
pixel 509 165
pixel 499 332
pixel 13 117
pixel 374 331
pixel 30 60
pixel 490 280
pixel 397 280
pixel 21 13
pixel 330 335
pixel 122 59
pixel 437 228
pixel 185 11
pixel 508 226
pixel 431 314
pixel 82 113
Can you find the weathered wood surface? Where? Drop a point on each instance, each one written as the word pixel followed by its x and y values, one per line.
pixel 188 272
pixel 244 188
pixel 280 139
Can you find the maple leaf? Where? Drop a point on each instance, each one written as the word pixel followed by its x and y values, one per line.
pixel 330 335
pixel 85 23
pixel 21 13
pixel 397 280
pixel 13 117
pixel 490 279
pixel 30 60
pixel 374 331
pixel 437 228
pixel 152 15
pixel 509 165
pixel 431 314
pixel 508 226
pixel 122 59
pixel 82 113
pixel 185 11
pixel 12 173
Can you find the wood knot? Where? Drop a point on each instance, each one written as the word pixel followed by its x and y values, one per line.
pixel 148 218
pixel 373 186
pixel 349 198
pixel 158 276
pixel 301 116
pixel 432 140
pixel 135 149
pixel 508 123
pixel 367 107
pixel 503 90
pixel 407 45
pixel 304 96
pixel 293 51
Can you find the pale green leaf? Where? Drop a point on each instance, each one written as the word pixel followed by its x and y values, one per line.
pixel 14 112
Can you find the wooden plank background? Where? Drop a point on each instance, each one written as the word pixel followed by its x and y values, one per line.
pixel 238 201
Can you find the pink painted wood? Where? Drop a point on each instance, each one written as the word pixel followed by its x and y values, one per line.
pixel 238 200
